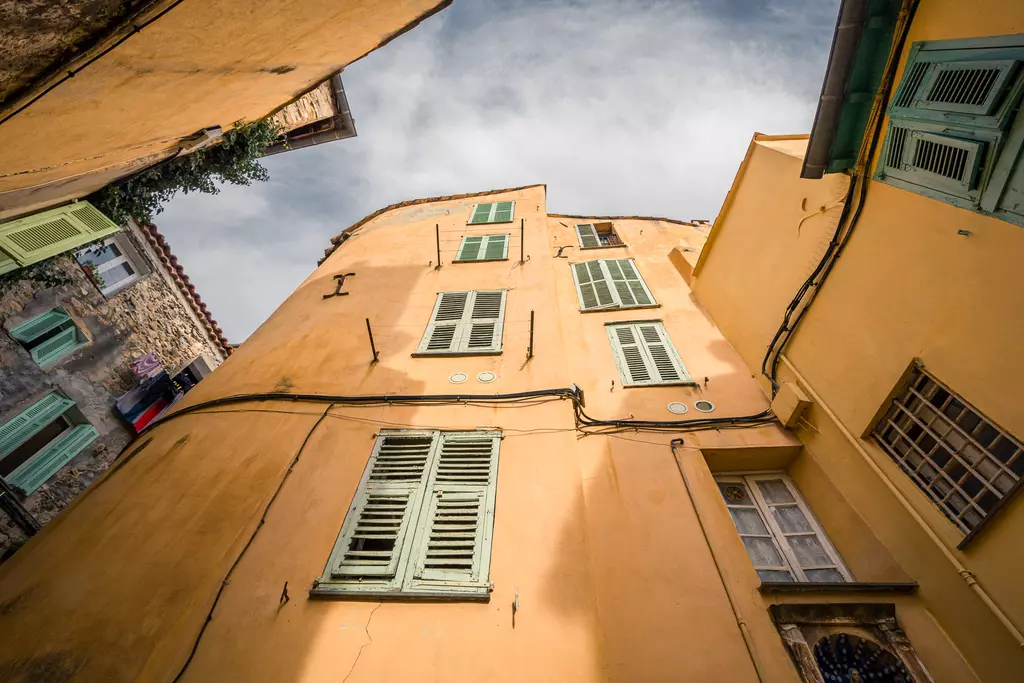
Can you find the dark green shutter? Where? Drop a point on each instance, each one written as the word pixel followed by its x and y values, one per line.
pixel 587 235
pixel 470 248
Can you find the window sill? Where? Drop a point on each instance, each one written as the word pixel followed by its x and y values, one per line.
pixel 689 383
pixel 617 308
pixel 480 260
pixel 325 592
pixel 453 354
pixel 772 587
pixel 511 220
pixel 604 246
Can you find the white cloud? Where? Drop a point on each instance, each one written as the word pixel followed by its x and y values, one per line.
pixel 620 107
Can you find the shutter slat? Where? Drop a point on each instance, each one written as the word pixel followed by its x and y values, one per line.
pixel 40 325
pixel 28 422
pixel 587 235
pixel 645 355
pixel 35 238
pixel 34 472
pixel 56 347
pixel 486 315
pixel 972 87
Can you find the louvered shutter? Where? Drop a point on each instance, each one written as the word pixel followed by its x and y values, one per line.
pixel 18 429
pixel 945 162
pixel 592 286
pixel 481 214
pixel 34 472
pixel 628 284
pixel 374 539
pixel 645 355
pixel 486 318
pixel 471 248
pixel 503 212
pixel 56 347
pixel 667 365
pixel 630 358
pixel 40 325
pixel 483 248
pixel 587 235
pixel 496 247
pixel 453 538
pixel 973 91
pixel 38 237
pixel 444 331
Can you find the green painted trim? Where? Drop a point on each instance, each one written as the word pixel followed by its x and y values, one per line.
pixel 40 325
pixel 34 472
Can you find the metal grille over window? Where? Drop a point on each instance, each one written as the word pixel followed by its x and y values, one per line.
pixel 962 460
pixel 782 538
pixel 421 520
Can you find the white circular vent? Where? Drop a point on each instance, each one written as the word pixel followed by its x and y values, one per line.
pixel 704 406
pixel 458 377
pixel 677 407
pixel 486 377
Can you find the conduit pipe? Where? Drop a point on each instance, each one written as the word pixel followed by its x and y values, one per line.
pixel 748 641
pixel 966 574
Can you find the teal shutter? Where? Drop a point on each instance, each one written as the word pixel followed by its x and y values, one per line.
pixel 628 284
pixel 496 247
pixel 374 541
pixel 481 214
pixel 587 235
pixel 38 237
pixel 949 163
pixel 28 422
pixel 453 537
pixel 503 212
pixel 634 368
pixel 40 325
pixel 592 286
pixel 56 347
pixel 470 249
pixel 34 472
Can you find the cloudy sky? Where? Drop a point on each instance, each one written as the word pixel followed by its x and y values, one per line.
pixel 620 106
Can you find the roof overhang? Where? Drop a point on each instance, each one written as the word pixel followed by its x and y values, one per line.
pixel 860 49
pixel 339 127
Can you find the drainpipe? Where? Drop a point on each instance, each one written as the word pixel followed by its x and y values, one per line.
pixel 740 622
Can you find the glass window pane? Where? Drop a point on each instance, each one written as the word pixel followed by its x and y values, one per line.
pixel 735 494
pixel 775 491
pixel 791 519
pixel 809 551
pixel 824 575
pixel 116 274
pixel 762 552
pixel 97 257
pixel 774 575
pixel 748 521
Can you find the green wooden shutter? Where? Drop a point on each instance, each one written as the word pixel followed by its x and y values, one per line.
pixel 38 237
pixel 496 247
pixel 481 214
pixel 445 330
pixel 1008 198
pixel 628 284
pixel 503 212
pixel 34 472
pixel 592 286
pixel 40 325
pixel 471 248
pixel 587 235
pixel 634 366
pixel 453 537
pixel 949 163
pixel 57 346
pixel 486 311
pixel 7 263
pixel 667 365
pixel 28 422
pixel 374 541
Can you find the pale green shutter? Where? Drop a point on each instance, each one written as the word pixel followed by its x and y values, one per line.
pixel 634 366
pixel 592 286
pixel 7 263
pixel 56 347
pixel 38 237
pixel 628 284
pixel 942 86
pixel 34 472
pixel 664 359
pixel 453 538
pixel 471 248
pixel 18 429
pixel 486 311
pixel 503 212
pixel 40 325
pixel 374 542
pixel 481 214
pixel 496 247
pixel 949 163
pixel 587 235
pixel 445 330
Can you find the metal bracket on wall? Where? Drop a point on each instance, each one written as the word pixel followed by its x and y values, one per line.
pixel 340 283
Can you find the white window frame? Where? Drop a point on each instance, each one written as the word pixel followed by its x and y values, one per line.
pixel 651 364
pixel 493 210
pixel 749 481
pixel 128 255
pixel 616 301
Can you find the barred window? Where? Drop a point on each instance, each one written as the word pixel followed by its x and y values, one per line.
pixel 962 460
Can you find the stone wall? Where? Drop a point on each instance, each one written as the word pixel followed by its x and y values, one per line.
pixel 315 105
pixel 149 315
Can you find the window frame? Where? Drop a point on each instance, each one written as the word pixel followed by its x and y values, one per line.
pixel 786 553
pixel 580 239
pixel 65 321
pixel 485 244
pixel 492 213
pixel 464 327
pixel 410 579
pixel 129 255
pixel 607 278
pixel 650 363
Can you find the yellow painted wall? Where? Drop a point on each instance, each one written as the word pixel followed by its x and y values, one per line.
pixel 906 286
pixel 201 64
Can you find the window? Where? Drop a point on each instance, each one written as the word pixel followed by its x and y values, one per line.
pixel 483 248
pixel 112 264
pixel 495 212
pixel 962 460
pixel 597 235
pixel 645 355
pixel 421 521
pixel 950 125
pixel 782 538
pixel 50 336
pixel 465 323
pixel 610 283
pixel 34 238
pixel 41 439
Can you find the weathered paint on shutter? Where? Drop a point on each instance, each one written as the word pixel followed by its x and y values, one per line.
pixel 28 422
pixel 938 86
pixel 645 355
pixel 444 331
pixel 630 286
pixel 453 537
pixel 944 162
pixel 503 212
pixel 496 247
pixel 40 325
pixel 375 539
pixel 481 214
pixel 634 368
pixel 57 346
pixel 1009 202
pixel 486 316
pixel 34 472
pixel 471 248
pixel 587 235
pixel 668 366
pixel 38 237
pixel 592 286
